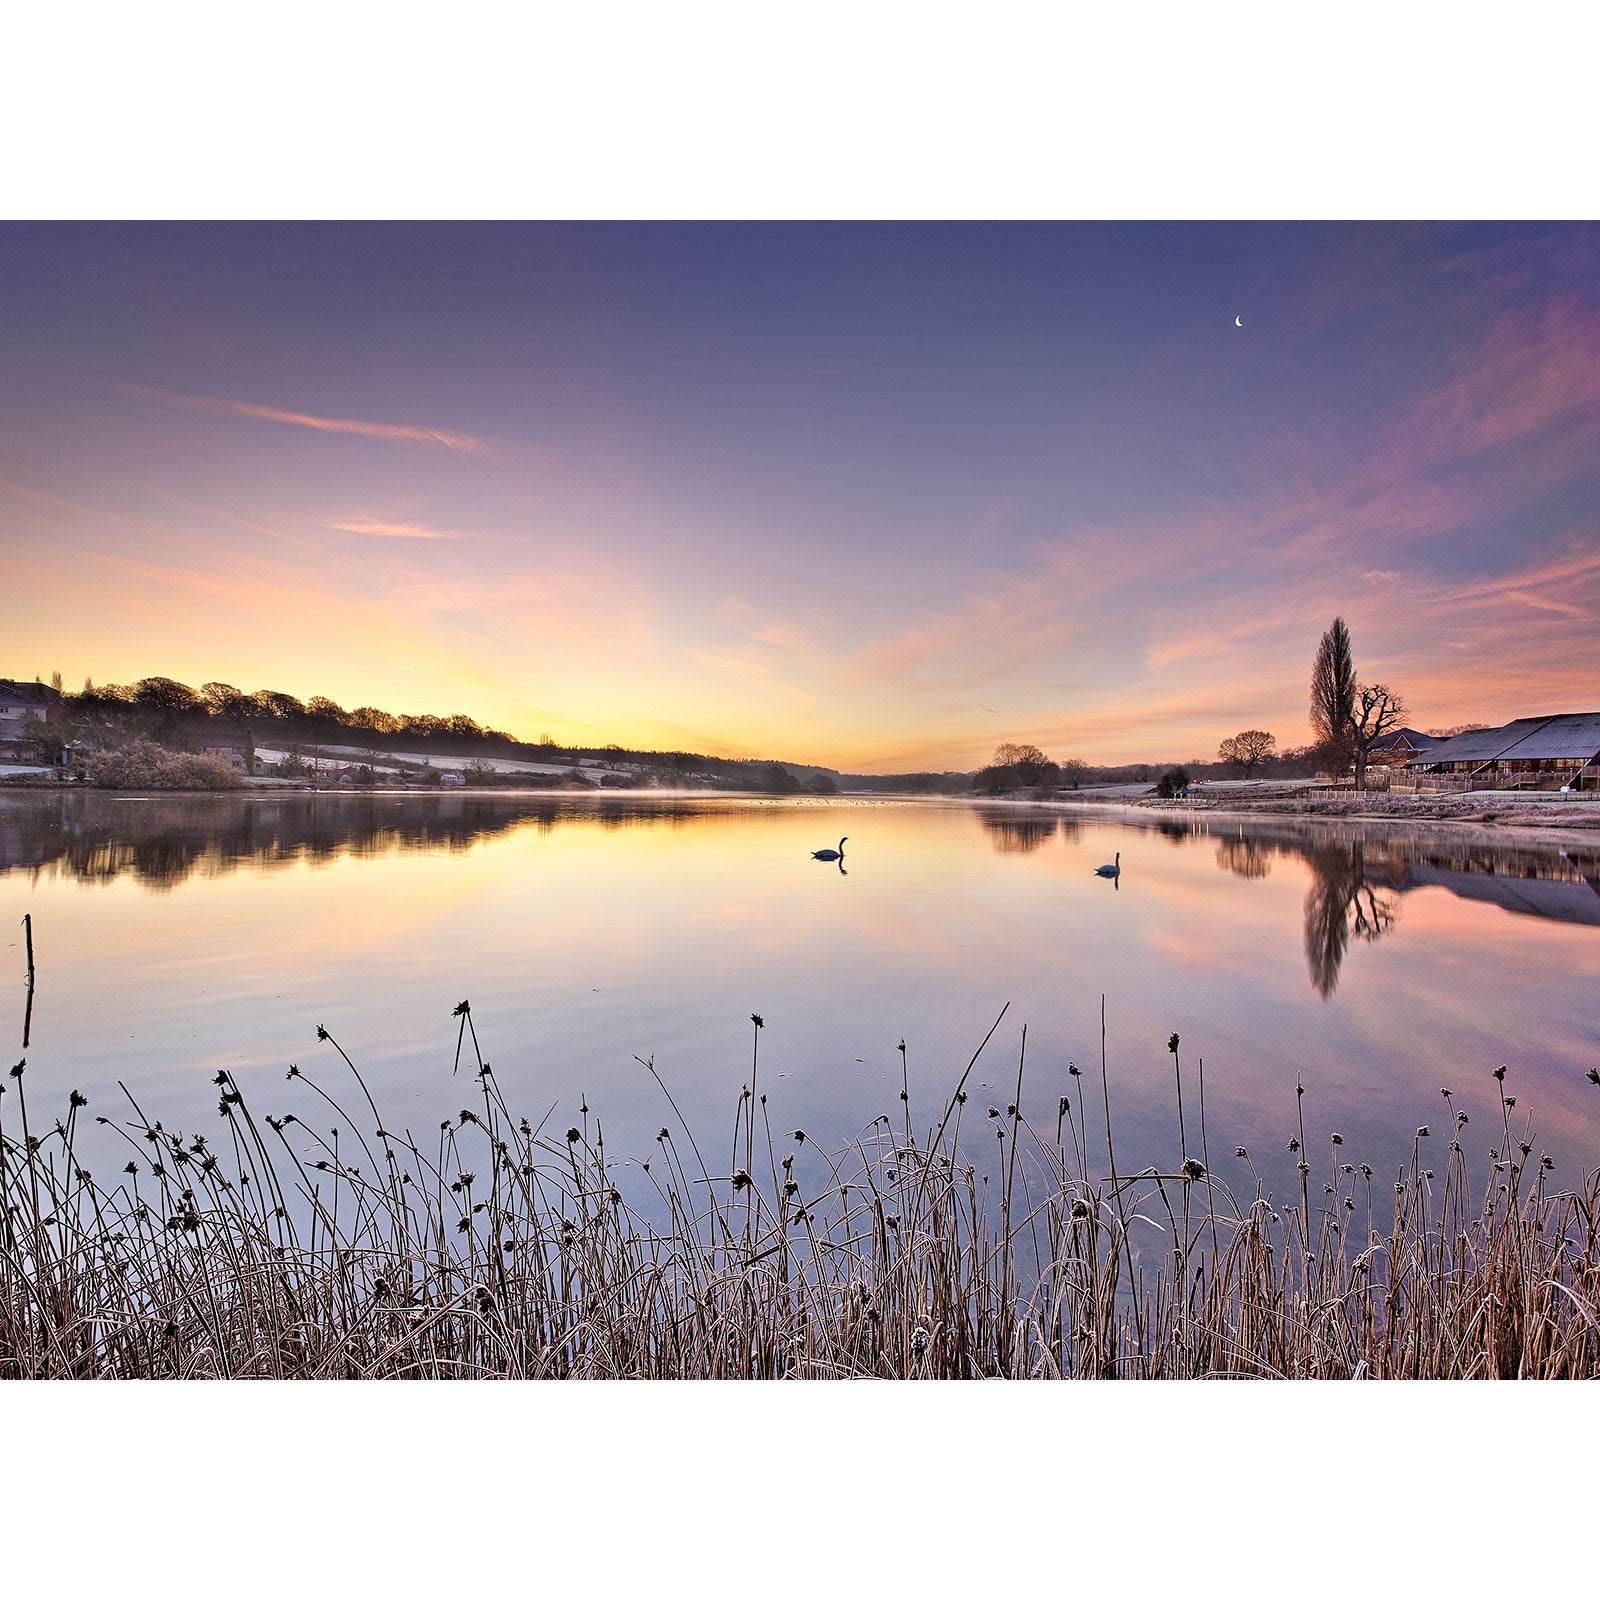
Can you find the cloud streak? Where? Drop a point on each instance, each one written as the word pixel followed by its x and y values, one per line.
pixel 394 530
pixel 442 438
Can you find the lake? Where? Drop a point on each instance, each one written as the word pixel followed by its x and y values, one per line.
pixel 178 935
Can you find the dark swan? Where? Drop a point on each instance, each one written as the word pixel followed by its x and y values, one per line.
pixel 830 855
pixel 1112 871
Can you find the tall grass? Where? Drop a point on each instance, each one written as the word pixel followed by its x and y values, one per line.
pixel 494 1247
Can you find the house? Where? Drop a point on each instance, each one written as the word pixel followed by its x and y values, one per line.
pixel 230 745
pixel 1553 752
pixel 452 780
pixel 19 701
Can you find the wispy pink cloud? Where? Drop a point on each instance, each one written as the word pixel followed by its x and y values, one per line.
pixel 461 443
pixel 394 530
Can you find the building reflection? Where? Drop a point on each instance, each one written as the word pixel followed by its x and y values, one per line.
pixel 1357 883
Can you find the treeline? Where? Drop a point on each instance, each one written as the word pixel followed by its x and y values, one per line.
pixel 1025 769
pixel 179 717
pixel 176 715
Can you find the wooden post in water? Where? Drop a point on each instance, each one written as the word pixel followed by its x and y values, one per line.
pixel 27 1014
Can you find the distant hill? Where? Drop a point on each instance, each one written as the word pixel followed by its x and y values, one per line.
pixel 316 731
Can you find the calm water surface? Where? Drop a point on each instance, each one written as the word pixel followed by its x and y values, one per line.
pixel 177 936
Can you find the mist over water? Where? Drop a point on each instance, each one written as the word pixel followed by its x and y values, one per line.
pixel 177 936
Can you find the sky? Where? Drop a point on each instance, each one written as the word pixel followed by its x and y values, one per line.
pixel 873 495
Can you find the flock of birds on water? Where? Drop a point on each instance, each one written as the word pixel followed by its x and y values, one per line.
pixel 1112 869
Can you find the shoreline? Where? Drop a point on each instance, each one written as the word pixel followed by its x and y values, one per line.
pixel 1481 813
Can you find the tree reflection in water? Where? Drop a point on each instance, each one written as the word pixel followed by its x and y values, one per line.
pixel 1342 904
pixel 162 842
pixel 1014 835
pixel 1245 858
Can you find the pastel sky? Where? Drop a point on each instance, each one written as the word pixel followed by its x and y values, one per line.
pixel 872 495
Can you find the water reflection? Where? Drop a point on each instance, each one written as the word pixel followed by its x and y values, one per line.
pixel 1245 858
pixel 161 843
pixel 592 931
pixel 1013 832
pixel 1357 882
pixel 1343 903
pixel 1357 878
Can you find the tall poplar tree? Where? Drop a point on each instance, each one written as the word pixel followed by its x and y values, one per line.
pixel 1333 690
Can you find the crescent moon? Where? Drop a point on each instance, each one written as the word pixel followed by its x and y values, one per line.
pixel 1238 322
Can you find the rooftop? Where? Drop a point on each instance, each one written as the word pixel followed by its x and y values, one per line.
pixel 1567 734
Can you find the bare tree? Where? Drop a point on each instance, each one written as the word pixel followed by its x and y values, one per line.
pixel 1028 760
pixel 1333 689
pixel 223 700
pixel 1378 710
pixel 1248 749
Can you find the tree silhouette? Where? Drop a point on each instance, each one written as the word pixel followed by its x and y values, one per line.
pixel 1378 710
pixel 1248 749
pixel 1333 690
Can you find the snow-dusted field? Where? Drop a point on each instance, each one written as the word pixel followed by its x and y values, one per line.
pixel 358 754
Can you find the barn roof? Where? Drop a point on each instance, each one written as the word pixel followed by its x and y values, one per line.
pixel 1571 734
pixel 1417 741
pixel 1576 735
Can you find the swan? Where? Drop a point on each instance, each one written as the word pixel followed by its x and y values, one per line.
pixel 1112 871
pixel 830 855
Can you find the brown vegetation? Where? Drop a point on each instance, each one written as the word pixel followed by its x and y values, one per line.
pixel 144 764
pixel 506 1251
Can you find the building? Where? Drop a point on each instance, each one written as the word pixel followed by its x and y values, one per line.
pixel 233 747
pixel 1533 752
pixel 19 701
pixel 1397 748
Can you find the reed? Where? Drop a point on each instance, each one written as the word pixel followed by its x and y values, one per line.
pixel 495 1247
